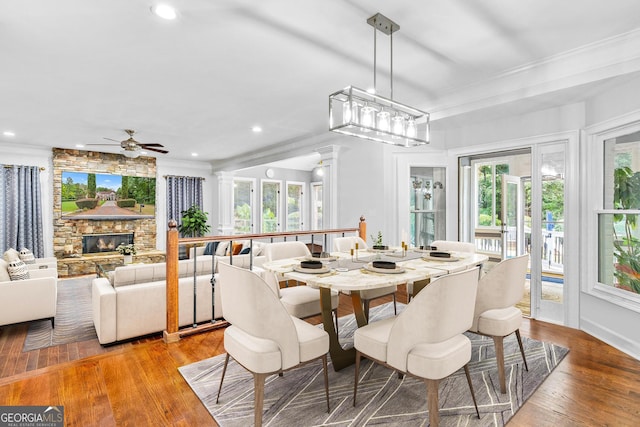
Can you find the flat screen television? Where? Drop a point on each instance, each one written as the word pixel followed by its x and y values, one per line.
pixel 97 196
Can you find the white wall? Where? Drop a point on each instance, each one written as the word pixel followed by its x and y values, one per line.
pixel 41 157
pixel 363 185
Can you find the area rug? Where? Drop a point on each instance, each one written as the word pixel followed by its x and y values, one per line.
pixel 297 398
pixel 73 320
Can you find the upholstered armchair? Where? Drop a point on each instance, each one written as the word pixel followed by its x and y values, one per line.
pixel 427 339
pixel 263 338
pixel 345 244
pixel 495 314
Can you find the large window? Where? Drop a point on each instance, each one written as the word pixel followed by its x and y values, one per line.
pixel 243 202
pixel 270 206
pixel 619 234
pixel 295 192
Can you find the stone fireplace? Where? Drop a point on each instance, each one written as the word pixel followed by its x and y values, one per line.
pixel 100 243
pixel 77 241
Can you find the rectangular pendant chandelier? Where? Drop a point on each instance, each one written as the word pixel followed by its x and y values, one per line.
pixel 356 112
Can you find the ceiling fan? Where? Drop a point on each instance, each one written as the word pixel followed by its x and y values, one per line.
pixel 131 147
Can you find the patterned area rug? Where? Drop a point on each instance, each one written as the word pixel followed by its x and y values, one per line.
pixel 297 398
pixel 73 321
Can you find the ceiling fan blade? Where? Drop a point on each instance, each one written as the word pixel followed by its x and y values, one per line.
pixel 150 145
pixel 109 139
pixel 156 150
pixel 110 145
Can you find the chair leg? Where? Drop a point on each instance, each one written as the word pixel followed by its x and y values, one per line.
pixel 395 309
pixel 224 371
pixel 365 304
pixel 521 349
pixel 499 346
pixel 473 394
pixel 357 374
pixel 326 381
pixel 432 402
pixel 258 381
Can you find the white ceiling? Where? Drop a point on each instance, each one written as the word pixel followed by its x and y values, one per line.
pixel 75 71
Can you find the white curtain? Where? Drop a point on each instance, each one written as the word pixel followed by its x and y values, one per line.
pixel 21 209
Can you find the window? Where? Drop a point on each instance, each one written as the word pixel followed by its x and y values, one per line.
pixel 619 234
pixel 243 202
pixel 316 206
pixel 295 192
pixel 489 193
pixel 270 206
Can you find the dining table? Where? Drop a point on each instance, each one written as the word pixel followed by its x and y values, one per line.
pixel 351 273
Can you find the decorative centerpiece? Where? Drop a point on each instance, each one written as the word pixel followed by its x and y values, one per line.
pixel 377 242
pixel 128 251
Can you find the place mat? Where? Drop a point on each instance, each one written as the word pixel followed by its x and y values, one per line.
pixel 322 270
pixel 396 270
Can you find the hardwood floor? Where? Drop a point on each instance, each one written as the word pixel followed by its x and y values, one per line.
pixel 137 383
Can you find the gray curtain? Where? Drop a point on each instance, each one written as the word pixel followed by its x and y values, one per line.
pixel 21 209
pixel 182 193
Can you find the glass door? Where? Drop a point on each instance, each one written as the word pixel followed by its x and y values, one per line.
pixel 547 275
pixel 512 221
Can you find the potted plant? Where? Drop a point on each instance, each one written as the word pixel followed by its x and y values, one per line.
pixel 194 222
pixel 377 242
pixel 128 251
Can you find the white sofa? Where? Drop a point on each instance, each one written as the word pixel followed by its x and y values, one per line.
pixel 243 261
pixel 29 299
pixel 132 302
pixel 44 263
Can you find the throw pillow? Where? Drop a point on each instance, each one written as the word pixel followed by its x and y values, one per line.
pixel 237 247
pixel 211 247
pixel 18 270
pixel 258 248
pixel 11 254
pixel 26 256
pixel 221 250
pixel 4 274
pixel 245 251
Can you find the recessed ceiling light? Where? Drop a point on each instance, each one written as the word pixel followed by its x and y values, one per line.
pixel 79 145
pixel 8 133
pixel 194 154
pixel 256 129
pixel 164 11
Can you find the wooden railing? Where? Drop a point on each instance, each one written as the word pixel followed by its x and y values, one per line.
pixel 172 333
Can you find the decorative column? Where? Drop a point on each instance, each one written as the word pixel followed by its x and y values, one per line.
pixel 329 157
pixel 225 202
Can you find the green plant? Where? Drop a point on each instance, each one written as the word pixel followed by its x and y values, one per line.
pixel 194 222
pixel 626 195
pixel 377 241
pixel 129 249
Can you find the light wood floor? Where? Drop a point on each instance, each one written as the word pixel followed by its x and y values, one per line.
pixel 138 383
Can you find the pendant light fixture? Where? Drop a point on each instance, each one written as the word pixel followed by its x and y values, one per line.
pixel 356 112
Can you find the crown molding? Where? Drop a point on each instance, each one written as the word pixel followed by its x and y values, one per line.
pixel 611 57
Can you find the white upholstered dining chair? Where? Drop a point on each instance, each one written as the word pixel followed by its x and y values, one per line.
pixel 263 338
pixel 427 339
pixel 300 301
pixel 495 314
pixel 345 244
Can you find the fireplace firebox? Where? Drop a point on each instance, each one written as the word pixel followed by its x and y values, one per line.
pixel 100 243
